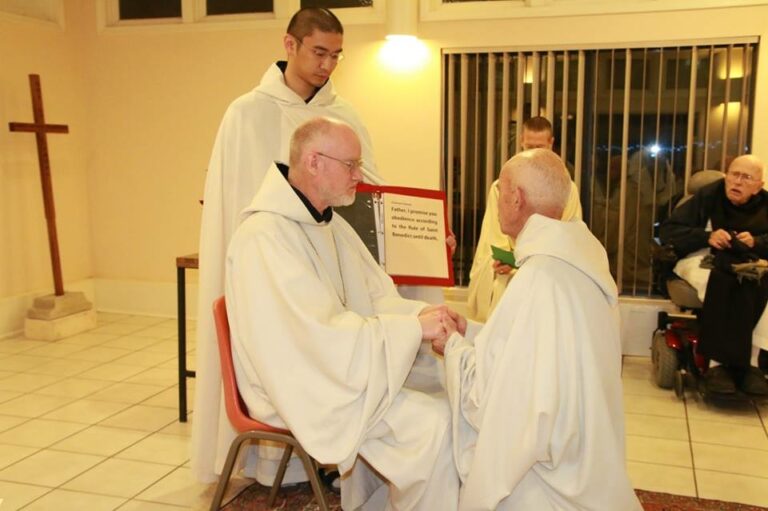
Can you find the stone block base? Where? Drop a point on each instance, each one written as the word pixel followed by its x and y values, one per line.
pixel 55 329
pixel 51 307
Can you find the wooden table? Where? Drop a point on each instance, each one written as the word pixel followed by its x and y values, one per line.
pixel 182 264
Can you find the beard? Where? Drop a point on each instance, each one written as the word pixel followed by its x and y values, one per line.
pixel 344 200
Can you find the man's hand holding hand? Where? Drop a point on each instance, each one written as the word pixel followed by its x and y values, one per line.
pixel 459 320
pixel 436 322
pixel 438 345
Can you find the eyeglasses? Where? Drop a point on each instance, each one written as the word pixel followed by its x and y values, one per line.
pixel 350 164
pixel 322 54
pixel 741 176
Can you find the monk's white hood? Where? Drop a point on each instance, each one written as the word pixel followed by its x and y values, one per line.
pixel 274 197
pixel 273 84
pixel 571 242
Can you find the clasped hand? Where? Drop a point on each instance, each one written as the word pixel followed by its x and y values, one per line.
pixel 500 268
pixel 438 322
pixel 721 239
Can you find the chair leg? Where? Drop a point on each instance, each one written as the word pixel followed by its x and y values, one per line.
pixel 311 468
pixel 226 473
pixel 280 475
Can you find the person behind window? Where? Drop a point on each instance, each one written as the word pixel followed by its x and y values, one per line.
pixel 488 278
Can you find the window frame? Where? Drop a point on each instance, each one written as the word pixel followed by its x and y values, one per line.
pixel 466 190
pixel 194 17
pixel 439 10
pixel 43 13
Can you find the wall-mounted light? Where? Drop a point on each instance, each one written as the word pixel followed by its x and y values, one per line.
pixel 403 51
pixel 528 63
pixel 736 69
pixel 402 19
pixel 733 109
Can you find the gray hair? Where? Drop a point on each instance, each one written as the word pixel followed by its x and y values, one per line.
pixel 312 130
pixel 542 175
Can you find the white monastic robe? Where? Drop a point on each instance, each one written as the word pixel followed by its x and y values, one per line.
pixel 255 132
pixel 485 286
pixel 536 393
pixel 322 344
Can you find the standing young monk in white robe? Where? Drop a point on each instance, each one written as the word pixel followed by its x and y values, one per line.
pixel 536 392
pixel 488 278
pixel 254 133
pixel 321 341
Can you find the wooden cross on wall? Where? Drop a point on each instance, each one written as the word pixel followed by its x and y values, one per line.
pixel 40 129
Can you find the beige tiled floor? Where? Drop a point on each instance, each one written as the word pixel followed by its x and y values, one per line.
pixel 91 422
pixel 693 447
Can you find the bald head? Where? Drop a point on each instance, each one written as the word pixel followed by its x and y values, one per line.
pixel 325 162
pixel 748 162
pixel 312 133
pixel 744 178
pixel 534 181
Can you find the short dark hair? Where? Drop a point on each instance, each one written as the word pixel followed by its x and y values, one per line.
pixel 538 124
pixel 307 20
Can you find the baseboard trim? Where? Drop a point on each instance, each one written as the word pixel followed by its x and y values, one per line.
pixel 107 295
pixel 638 316
pixel 13 309
pixel 144 298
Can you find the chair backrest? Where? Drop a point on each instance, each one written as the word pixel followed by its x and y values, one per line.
pixel 667 282
pixel 703 178
pixel 233 402
pixel 697 181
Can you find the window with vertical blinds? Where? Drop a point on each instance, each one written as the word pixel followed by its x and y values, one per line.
pixel 632 125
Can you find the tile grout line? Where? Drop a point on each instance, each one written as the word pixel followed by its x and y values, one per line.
pixel 173 467
pixel 690 445
pixel 85 396
pixel 763 420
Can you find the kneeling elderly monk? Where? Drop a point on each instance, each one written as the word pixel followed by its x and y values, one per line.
pixel 536 392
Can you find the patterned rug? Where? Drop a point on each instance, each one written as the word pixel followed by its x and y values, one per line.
pixel 300 498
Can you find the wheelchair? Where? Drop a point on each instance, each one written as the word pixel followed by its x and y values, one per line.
pixel 674 348
pixel 676 360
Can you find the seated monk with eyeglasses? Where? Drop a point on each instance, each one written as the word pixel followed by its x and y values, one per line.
pixel 729 219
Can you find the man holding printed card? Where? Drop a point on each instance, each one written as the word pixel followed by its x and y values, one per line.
pixel 491 270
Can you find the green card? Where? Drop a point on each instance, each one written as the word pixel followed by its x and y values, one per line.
pixel 504 256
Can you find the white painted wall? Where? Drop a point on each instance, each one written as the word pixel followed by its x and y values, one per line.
pixel 143 107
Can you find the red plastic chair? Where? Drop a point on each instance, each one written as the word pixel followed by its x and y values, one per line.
pixel 250 429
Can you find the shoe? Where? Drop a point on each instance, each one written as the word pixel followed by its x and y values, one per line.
pixel 753 382
pixel 718 380
pixel 331 480
pixel 762 361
